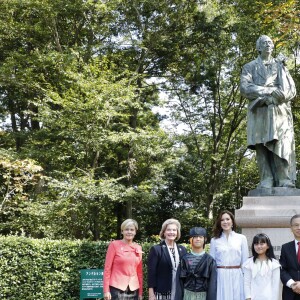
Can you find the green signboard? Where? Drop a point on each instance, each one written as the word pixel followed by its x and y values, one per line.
pixel 91 284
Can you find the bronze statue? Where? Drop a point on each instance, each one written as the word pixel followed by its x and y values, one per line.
pixel 269 87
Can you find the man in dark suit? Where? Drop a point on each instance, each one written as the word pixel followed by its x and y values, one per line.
pixel 290 263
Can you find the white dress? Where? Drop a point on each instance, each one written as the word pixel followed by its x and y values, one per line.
pixel 262 279
pixel 230 252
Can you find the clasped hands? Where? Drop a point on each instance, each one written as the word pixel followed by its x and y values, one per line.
pixel 274 98
pixel 296 287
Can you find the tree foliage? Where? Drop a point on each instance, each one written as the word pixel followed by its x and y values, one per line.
pixel 82 147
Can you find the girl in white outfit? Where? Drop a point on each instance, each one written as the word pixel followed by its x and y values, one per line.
pixel 262 271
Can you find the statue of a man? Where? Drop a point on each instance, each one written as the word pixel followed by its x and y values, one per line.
pixel 269 87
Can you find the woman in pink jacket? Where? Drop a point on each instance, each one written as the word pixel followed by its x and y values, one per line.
pixel 123 274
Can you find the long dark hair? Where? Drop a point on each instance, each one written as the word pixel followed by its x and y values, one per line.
pixel 262 238
pixel 217 230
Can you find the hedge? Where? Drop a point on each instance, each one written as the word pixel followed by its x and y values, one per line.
pixel 37 269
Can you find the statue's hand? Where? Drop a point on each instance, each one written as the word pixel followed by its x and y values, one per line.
pixel 269 100
pixel 278 95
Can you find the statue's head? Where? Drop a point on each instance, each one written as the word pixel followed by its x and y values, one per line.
pixel 264 43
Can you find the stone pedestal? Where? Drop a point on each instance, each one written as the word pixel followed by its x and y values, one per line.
pixel 269 211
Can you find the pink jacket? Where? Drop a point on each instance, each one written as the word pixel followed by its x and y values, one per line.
pixel 123 267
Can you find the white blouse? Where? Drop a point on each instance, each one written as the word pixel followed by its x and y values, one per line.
pixel 229 252
pixel 262 279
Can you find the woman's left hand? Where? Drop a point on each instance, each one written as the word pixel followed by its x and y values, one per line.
pixel 107 296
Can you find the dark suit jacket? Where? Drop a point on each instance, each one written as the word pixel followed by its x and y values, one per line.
pixel 290 269
pixel 160 267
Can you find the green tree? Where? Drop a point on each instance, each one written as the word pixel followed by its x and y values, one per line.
pixel 95 135
pixel 79 80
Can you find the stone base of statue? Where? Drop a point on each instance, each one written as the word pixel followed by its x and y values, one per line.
pixel 269 211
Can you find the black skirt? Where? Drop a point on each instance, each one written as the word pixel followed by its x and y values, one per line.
pixel 117 294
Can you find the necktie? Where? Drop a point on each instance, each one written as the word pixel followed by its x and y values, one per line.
pixel 298 253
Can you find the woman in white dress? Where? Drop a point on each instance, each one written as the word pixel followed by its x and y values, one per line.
pixel 262 271
pixel 230 250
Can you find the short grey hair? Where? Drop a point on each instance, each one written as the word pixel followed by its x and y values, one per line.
pixel 129 222
pixel 165 225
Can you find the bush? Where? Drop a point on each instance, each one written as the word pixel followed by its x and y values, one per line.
pixel 37 269
pixel 45 269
